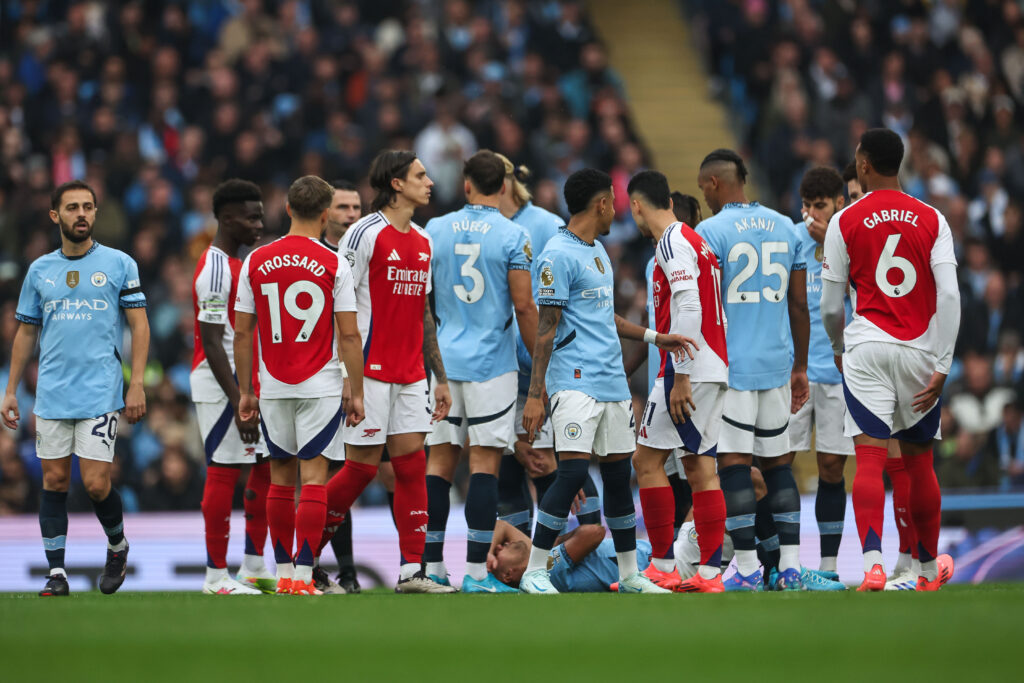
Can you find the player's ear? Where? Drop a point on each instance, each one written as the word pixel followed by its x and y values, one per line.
pixel 54 216
pixel 288 209
pixel 840 202
pixel 467 187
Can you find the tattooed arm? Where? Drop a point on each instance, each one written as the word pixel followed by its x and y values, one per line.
pixel 533 412
pixel 434 363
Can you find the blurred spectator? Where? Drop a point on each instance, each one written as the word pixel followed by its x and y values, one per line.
pixel 978 408
pixel 1009 445
pixel 172 482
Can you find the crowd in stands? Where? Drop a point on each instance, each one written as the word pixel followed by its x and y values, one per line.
pixel 155 103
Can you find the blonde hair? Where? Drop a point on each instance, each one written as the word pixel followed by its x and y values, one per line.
pixel 519 175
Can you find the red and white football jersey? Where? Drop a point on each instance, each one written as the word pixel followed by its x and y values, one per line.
pixel 295 285
pixel 885 245
pixel 684 261
pixel 213 301
pixel 391 270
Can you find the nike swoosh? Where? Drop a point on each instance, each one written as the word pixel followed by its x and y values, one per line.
pixel 540 590
pixel 489 589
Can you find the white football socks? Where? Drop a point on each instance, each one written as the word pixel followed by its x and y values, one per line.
pixel 789 557
pixel 476 570
pixel 627 564
pixel 663 565
pixel 538 559
pixel 871 558
pixel 746 562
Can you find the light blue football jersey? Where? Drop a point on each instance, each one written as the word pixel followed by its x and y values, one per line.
pixel 587 356
pixel 653 355
pixel 821 366
pixel 541 225
pixel 77 302
pixel 474 249
pixel 596 572
pixel 757 249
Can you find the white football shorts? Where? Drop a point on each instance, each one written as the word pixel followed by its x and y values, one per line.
pixel 221 440
pixel 92 438
pixel 699 434
pixel 582 424
pixel 391 409
pixel 303 427
pixel 483 411
pixel 756 422
pixel 543 438
pixel 825 413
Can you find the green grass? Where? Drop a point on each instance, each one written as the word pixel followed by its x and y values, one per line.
pixel 959 633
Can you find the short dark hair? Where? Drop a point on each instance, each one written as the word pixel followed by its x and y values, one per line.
pixel 850 172
pixel 386 166
pixel 486 171
pixel 235 191
pixel 884 149
pixel 821 181
pixel 58 192
pixel 727 156
pixel 653 186
pixel 309 196
pixel 686 208
pixel 346 185
pixel 584 185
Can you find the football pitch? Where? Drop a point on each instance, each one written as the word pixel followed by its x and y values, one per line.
pixel 960 633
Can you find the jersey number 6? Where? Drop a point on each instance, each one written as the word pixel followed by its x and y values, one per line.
pixel 890 261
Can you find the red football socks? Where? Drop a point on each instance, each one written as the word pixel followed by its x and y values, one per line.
pixel 925 503
pixel 217 494
pixel 344 487
pixel 281 521
pixel 869 496
pixel 255 502
pixel 709 523
pixel 658 504
pixel 897 471
pixel 410 504
pixel 309 522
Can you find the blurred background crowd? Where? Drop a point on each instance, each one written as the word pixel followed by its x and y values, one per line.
pixel 155 103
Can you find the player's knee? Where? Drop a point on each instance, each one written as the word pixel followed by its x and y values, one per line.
pixel 593 533
pixel 97 487
pixel 830 468
pixel 56 481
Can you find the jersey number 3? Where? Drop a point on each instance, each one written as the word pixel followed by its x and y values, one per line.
pixel 472 252
pixel 308 315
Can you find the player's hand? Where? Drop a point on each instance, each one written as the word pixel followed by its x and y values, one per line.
pixel 925 400
pixel 442 401
pixel 355 412
pixel 677 344
pixel 135 403
pixel 9 408
pixel 533 417
pixel 248 407
pixel 838 360
pixel 816 227
pixel 680 400
pixel 800 390
pixel 346 395
pixel 249 431
pixel 578 501
pixel 531 459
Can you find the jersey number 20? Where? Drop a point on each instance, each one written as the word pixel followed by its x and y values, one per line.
pixel 308 316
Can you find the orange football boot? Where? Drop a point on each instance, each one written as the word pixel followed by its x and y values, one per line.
pixel 698 584
pixel 667 580
pixel 874 580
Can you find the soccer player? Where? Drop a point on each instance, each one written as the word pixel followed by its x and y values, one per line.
pixel 346 209
pixel 229 442
pixel 764 296
pixel 300 296
pixel 577 359
pixel 391 259
pixel 853 189
pixel 821 194
pixel 582 561
pixel 72 301
pixel 897 254
pixel 481 278
pixel 687 300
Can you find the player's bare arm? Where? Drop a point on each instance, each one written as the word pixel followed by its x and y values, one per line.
pixel 210 336
pixel 800 327
pixel 248 406
pixel 582 541
pixel 434 362
pixel 350 351
pixel 520 288
pixel 544 342
pixel 673 343
pixel 135 398
pixel 21 351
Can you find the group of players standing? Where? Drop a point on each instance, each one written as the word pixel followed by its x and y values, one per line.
pixel 516 294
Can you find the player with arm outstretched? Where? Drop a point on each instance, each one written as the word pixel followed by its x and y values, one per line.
pixel 229 443
pixel 577 361
pixel 391 259
pixel 684 410
pixel 897 254
pixel 299 296
pixel 75 301
pixel 764 297
pixel 481 278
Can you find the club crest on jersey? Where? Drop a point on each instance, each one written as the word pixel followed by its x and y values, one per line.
pixel 819 253
pixel 72 278
pixel 350 256
pixel 424 256
pixel 600 265
pixel 98 279
pixel 547 278
pixel 573 431
pixel 528 250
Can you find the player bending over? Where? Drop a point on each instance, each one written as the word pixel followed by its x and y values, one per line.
pixel 897 254
pixel 75 301
pixel 296 292
pixel 577 358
